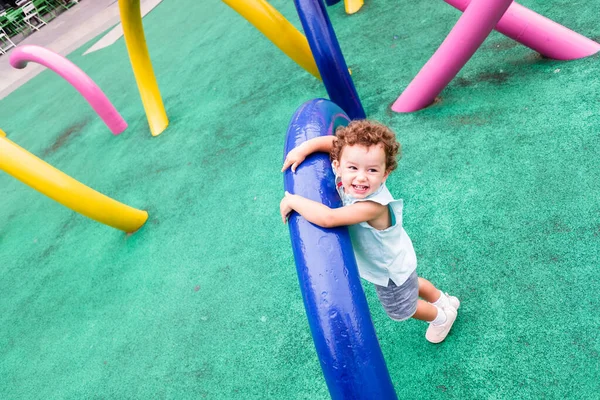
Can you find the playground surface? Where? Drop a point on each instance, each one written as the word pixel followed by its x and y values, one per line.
pixel 500 182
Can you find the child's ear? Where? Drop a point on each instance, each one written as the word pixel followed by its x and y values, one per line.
pixel 387 173
pixel 335 164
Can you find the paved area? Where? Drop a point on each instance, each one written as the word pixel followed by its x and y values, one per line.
pixel 117 31
pixel 67 32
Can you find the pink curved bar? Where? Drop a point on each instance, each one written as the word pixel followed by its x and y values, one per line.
pixel 539 33
pixel 461 43
pixel 21 55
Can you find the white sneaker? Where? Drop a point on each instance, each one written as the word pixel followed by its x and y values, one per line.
pixel 454 302
pixel 437 333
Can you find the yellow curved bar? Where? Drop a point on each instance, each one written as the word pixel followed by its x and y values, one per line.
pixel 278 30
pixel 60 187
pixel 2 134
pixel 353 6
pixel 133 31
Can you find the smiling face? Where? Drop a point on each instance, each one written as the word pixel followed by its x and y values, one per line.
pixel 362 169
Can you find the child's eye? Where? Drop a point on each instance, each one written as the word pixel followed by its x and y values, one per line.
pixel 352 167
pixel 372 170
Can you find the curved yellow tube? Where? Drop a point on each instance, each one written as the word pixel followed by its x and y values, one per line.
pixel 133 31
pixel 278 30
pixel 60 187
pixel 353 6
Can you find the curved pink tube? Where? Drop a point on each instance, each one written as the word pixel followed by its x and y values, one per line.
pixel 540 33
pixel 21 55
pixel 461 43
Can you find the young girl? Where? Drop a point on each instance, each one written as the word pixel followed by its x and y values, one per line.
pixel 363 154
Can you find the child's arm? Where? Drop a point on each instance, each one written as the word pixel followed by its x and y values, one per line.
pixel 298 154
pixel 320 214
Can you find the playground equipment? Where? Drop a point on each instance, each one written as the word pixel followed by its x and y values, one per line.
pixel 133 31
pixel 351 6
pixel 20 56
pixel 539 33
pixel 328 56
pixel 60 187
pixel 336 307
pixel 278 30
pixel 328 63
pixel 478 20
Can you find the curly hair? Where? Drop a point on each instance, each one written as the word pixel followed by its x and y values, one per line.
pixel 367 133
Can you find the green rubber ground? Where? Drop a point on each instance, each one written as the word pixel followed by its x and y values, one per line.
pixel 502 201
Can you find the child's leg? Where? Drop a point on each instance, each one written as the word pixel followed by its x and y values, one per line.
pixel 435 296
pixel 425 311
pixel 399 303
pixel 427 291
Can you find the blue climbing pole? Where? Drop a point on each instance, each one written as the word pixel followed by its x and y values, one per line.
pixel 336 307
pixel 328 56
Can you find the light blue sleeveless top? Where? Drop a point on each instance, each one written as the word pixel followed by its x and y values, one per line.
pixel 386 254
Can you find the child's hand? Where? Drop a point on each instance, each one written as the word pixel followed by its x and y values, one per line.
pixel 285 207
pixel 294 158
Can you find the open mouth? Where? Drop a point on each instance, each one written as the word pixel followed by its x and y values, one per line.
pixel 360 188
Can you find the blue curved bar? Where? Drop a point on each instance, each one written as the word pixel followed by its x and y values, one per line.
pixel 336 307
pixel 328 56
pixel 331 2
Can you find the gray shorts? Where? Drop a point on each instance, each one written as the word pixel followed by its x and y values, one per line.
pixel 400 302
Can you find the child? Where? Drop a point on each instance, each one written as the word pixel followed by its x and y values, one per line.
pixel 363 154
